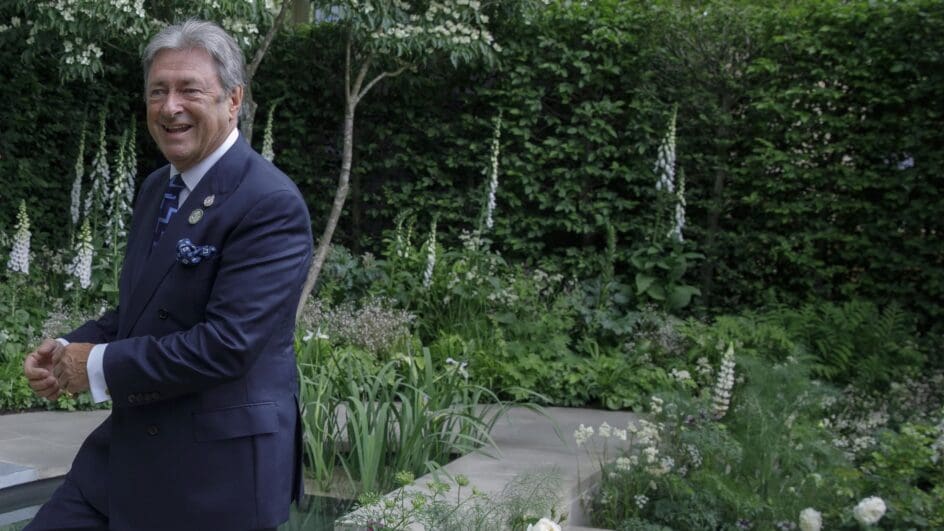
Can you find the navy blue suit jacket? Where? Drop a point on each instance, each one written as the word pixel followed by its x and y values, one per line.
pixel 205 428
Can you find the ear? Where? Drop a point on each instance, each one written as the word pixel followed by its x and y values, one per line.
pixel 235 102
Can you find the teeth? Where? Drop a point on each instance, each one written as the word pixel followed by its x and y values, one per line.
pixel 176 129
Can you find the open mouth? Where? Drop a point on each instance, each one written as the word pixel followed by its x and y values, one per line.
pixel 176 129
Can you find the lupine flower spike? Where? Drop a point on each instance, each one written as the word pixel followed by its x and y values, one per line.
pixel 722 392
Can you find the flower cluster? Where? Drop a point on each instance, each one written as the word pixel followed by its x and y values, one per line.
pixel 375 326
pixel 493 174
pixel 80 53
pixel 869 511
pixel 665 162
pixel 430 256
pixel 267 152
pixel 81 267
pixel 721 397
pixel 544 524
pixel 101 175
pixel 19 260
pixel 810 520
pixel 441 20
pixel 77 183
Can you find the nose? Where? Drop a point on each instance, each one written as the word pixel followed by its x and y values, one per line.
pixel 172 105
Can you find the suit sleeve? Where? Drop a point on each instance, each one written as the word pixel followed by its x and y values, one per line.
pixel 263 264
pixel 101 330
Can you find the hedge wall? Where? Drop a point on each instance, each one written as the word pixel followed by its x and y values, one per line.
pixel 809 137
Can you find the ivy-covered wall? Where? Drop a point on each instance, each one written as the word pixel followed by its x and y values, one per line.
pixel 809 137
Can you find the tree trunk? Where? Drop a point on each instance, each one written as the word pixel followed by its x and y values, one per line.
pixel 248 117
pixel 340 195
pixel 714 211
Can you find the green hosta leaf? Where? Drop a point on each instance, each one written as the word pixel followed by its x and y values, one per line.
pixel 643 282
pixel 681 296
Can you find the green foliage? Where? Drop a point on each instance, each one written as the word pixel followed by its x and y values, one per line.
pixel 660 269
pixel 907 471
pixel 761 465
pixel 523 501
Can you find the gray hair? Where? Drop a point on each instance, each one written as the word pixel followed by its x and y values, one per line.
pixel 229 59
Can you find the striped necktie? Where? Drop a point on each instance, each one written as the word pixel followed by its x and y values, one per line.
pixel 169 205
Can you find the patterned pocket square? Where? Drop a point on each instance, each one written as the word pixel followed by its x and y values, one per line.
pixel 190 254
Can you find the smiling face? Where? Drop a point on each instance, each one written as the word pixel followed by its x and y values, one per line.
pixel 188 113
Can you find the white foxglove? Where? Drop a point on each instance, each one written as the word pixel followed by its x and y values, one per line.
pixel 493 174
pixel 430 256
pixel 267 152
pixel 101 175
pixel 81 267
pixel 665 163
pixel 77 183
pixel 19 261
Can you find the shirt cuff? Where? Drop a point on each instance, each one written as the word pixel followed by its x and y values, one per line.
pixel 96 374
pixel 62 342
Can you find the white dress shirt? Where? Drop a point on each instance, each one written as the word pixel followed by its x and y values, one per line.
pixel 191 178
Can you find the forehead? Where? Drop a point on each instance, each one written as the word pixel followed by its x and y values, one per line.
pixel 183 65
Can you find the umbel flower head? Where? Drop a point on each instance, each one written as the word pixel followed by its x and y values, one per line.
pixel 81 267
pixel 811 520
pixel 19 255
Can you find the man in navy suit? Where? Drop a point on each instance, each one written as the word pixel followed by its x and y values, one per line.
pixel 198 356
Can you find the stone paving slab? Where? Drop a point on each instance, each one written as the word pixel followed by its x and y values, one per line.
pixel 529 442
pixel 42 444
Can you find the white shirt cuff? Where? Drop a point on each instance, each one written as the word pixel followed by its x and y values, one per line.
pixel 96 374
pixel 62 342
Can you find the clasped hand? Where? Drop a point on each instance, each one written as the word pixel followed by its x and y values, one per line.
pixel 52 368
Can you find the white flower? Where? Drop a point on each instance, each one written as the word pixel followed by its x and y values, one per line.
pixel 810 520
pixel 101 175
pixel 493 173
pixel 623 464
pixel 869 511
pixel 77 183
pixel 267 151
pixel 308 335
pixel 722 391
pixel 665 163
pixel 655 405
pixel 544 524
pixel 81 267
pixel 582 434
pixel 681 375
pixel 19 261
pixel 641 500
pixel 605 430
pixel 619 434
pixel 430 256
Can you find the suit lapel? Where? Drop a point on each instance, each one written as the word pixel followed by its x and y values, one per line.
pixel 220 180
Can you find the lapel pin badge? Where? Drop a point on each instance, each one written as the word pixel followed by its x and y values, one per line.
pixel 208 200
pixel 195 216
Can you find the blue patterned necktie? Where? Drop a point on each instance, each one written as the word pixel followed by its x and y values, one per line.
pixel 169 205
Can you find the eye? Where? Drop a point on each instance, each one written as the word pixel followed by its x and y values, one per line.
pixel 191 92
pixel 157 93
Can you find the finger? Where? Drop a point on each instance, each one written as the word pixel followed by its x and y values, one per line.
pixel 58 371
pixel 48 346
pixel 44 386
pixel 31 370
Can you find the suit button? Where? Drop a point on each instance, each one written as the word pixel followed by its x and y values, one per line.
pixel 132 399
pixel 162 314
pixel 152 430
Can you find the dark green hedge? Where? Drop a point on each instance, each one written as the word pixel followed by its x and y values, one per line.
pixel 809 136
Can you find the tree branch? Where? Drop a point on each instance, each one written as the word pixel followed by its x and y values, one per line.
pixel 374 81
pixel 260 53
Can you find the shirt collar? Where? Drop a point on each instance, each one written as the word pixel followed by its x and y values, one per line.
pixel 193 176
